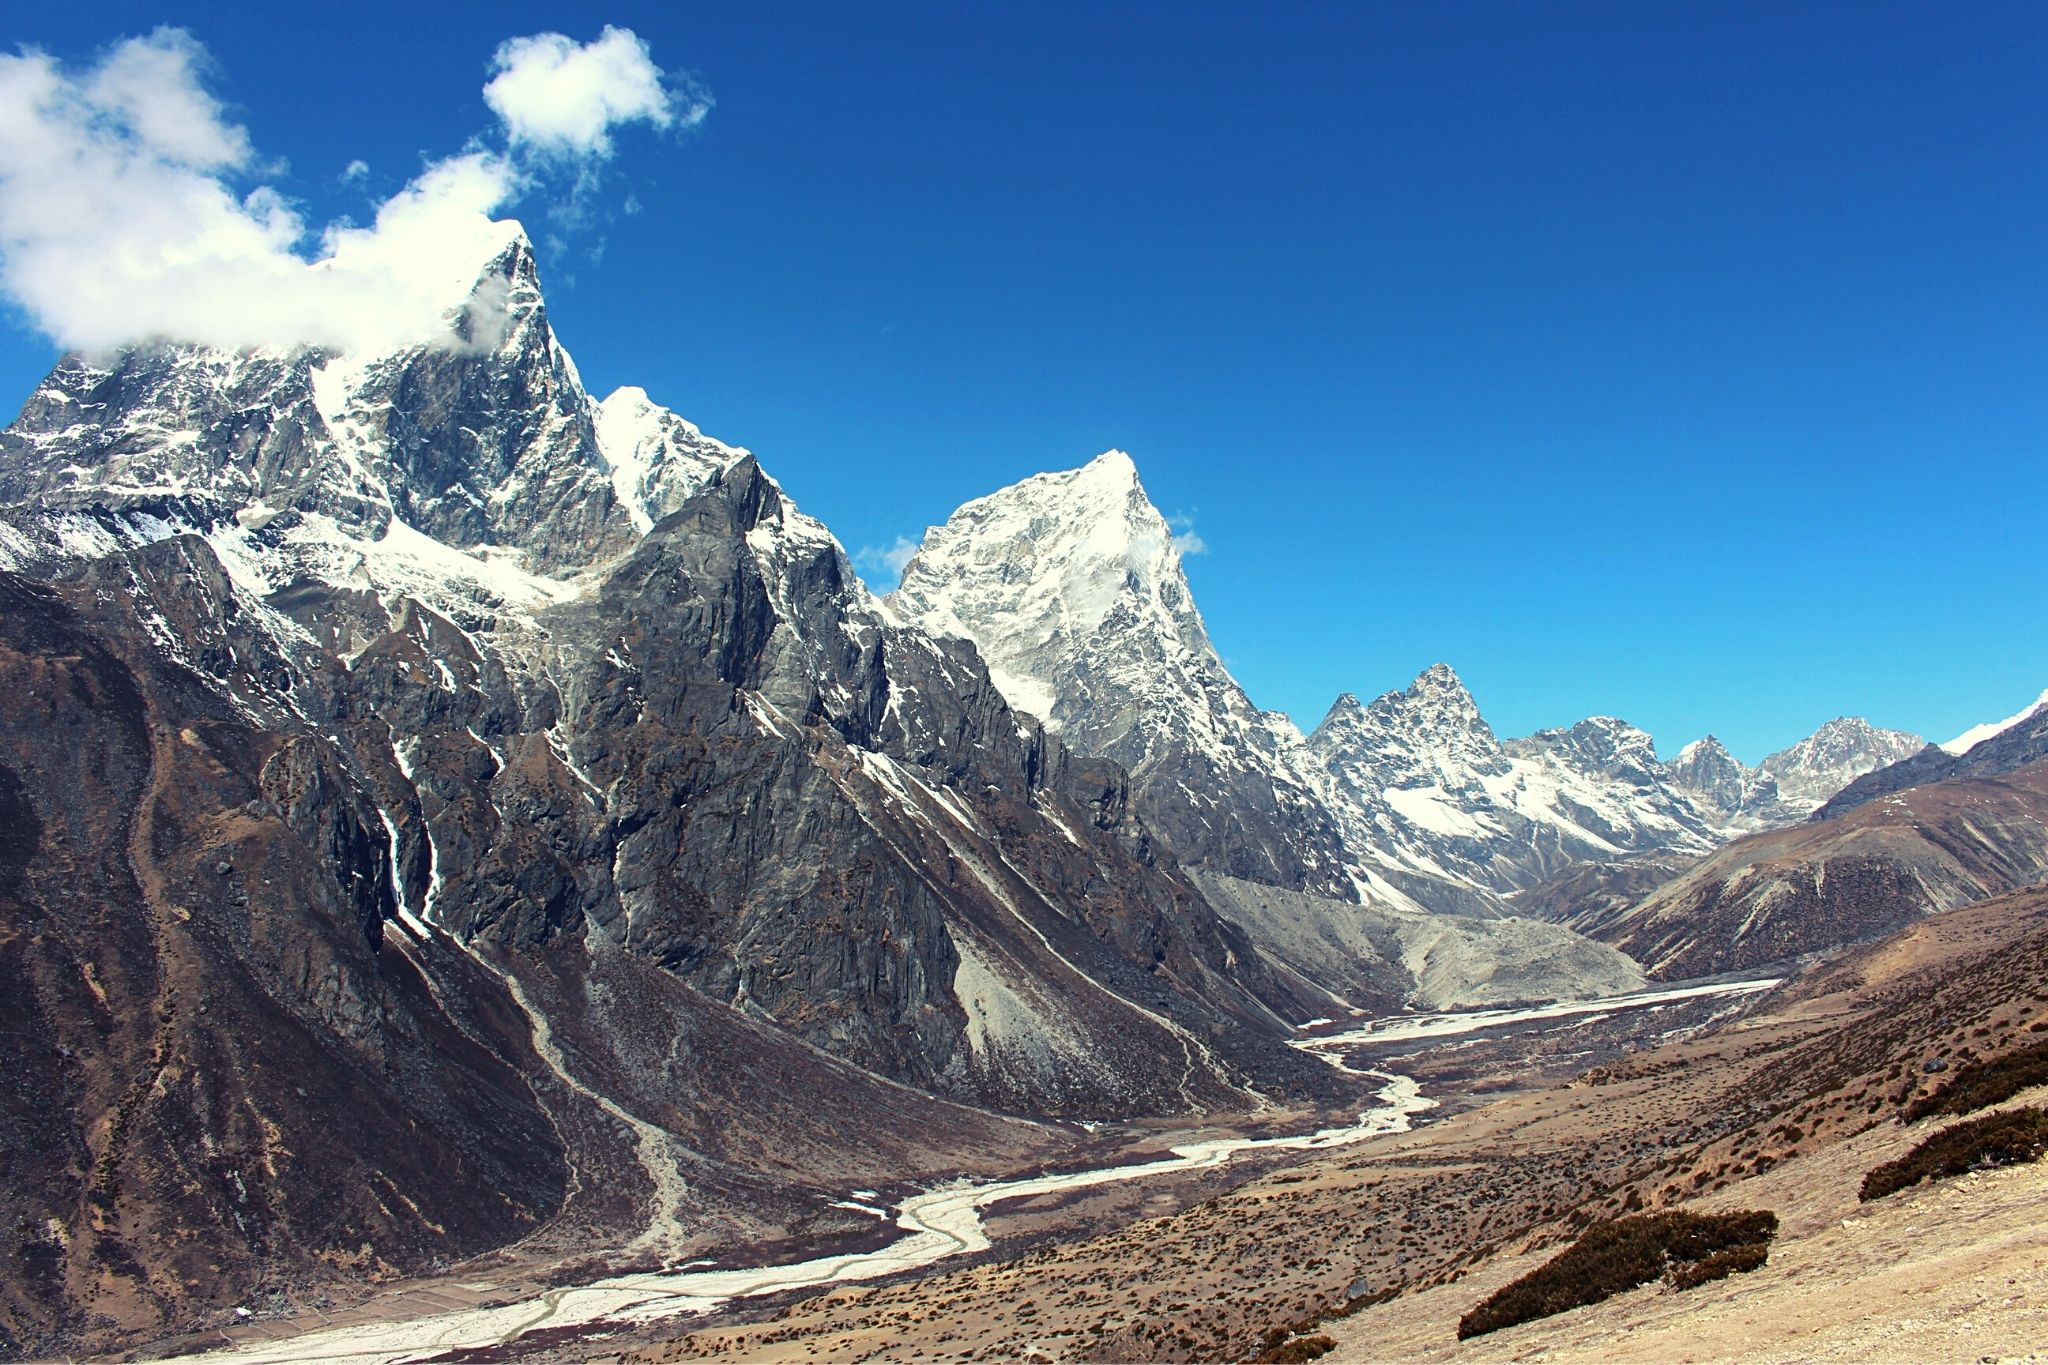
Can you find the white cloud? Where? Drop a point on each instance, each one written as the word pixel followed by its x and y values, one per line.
pixel 1184 538
pixel 563 99
pixel 890 560
pixel 123 212
pixel 148 86
pixel 356 170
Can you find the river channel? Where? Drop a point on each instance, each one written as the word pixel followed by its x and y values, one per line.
pixel 936 1224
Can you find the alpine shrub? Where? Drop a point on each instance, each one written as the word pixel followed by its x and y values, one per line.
pixel 1983 1084
pixel 2005 1139
pixel 1611 1258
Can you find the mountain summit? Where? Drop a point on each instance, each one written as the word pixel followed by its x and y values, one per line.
pixel 1463 819
pixel 1071 587
pixel 297 462
pixel 1058 579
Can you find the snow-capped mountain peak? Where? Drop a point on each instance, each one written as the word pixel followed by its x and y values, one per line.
pixel 1607 745
pixel 471 472
pixel 1438 704
pixel 1706 749
pixel 1830 758
pixel 1071 587
pixel 656 459
pixel 1424 786
pixel 1049 572
pixel 1719 781
pixel 1977 734
pixel 1429 732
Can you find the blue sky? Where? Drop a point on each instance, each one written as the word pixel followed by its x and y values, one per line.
pixel 1685 364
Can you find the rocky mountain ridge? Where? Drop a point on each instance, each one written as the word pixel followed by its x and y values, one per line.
pixel 1768 898
pixel 1423 782
pixel 1071 586
pixel 1790 784
pixel 477 717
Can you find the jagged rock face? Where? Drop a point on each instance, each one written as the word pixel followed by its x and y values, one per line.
pixel 156 426
pixel 1832 757
pixel 220 1070
pixel 1462 819
pixel 1071 587
pixel 1719 781
pixel 240 1073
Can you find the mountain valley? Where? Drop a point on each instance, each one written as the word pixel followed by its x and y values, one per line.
pixel 463 842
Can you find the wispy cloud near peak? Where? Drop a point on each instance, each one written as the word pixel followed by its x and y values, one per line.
pixel 126 213
pixel 887 562
pixel 1184 538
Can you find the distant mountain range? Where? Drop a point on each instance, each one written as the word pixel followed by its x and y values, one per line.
pixel 1071 586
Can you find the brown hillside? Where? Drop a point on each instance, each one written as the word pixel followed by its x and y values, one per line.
pixel 1777 895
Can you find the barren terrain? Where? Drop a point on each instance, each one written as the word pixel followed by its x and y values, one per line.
pixel 1775 1100
pixel 1784 1109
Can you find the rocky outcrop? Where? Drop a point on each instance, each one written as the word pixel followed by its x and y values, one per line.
pixel 1728 789
pixel 1829 759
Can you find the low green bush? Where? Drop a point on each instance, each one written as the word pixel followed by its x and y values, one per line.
pixel 2005 1139
pixel 1983 1084
pixel 1611 1258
